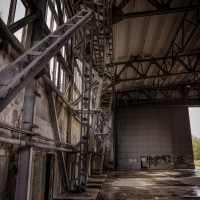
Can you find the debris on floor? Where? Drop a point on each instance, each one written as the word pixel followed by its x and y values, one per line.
pixel 151 185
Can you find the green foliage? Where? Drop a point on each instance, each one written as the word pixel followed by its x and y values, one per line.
pixel 196 147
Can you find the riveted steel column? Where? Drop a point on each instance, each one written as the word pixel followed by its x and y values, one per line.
pixel 23 186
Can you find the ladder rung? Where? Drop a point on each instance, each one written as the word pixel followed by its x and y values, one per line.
pixel 34 53
pixel 55 36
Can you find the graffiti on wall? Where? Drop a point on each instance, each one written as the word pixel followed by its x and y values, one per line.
pixel 179 160
pixel 154 161
pixel 148 161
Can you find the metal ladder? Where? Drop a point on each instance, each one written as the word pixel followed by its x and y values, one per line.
pixel 20 72
pixel 85 115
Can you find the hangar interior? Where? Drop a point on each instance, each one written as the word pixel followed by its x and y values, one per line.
pixel 88 87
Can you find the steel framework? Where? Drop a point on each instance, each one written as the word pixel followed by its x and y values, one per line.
pixel 74 59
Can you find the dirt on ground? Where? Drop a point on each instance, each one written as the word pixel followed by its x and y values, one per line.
pixel 159 184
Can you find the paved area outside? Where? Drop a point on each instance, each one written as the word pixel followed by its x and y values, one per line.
pixel 162 184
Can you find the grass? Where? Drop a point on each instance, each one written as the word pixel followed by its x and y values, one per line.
pixel 197 163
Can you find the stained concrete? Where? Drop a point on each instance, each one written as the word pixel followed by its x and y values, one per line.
pixel 155 137
pixel 159 184
pixel 90 194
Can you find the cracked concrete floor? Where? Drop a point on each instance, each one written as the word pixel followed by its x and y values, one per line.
pixel 159 184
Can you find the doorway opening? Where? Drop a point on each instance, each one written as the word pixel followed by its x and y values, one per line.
pixel 194 114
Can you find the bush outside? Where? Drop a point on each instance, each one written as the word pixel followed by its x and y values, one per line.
pixel 196 148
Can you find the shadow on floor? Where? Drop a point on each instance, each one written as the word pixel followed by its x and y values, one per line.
pixel 159 184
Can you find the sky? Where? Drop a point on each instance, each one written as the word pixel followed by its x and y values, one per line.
pixel 4 7
pixel 194 113
pixel 20 13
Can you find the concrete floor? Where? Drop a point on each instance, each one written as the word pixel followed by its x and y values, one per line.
pixel 162 184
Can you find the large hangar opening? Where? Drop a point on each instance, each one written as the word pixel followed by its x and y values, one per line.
pixel 194 113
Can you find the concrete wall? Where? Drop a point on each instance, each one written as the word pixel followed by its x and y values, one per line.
pixel 153 137
pixel 12 115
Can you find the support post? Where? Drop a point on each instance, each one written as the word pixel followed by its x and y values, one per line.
pixel 23 186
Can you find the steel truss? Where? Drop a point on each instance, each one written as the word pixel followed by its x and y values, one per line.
pixel 158 69
pixel 160 72
pixel 32 62
pixel 182 93
pixel 178 63
pixel 162 8
pixel 92 50
pixel 87 37
pixel 101 44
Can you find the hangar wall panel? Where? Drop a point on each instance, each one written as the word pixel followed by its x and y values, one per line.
pixel 153 137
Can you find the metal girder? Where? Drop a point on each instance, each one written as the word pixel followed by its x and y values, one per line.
pixel 183 36
pixel 160 5
pixel 60 12
pixel 11 15
pixel 23 183
pixel 53 10
pixel 6 34
pixel 54 120
pixel 86 76
pixel 30 4
pixel 145 95
pixel 182 40
pixel 14 27
pixel 23 143
pixel 59 56
pixel 157 68
pixel 76 101
pixel 118 14
pixel 123 3
pixel 55 89
pixel 172 86
pixel 170 101
pixel 137 59
pixel 16 76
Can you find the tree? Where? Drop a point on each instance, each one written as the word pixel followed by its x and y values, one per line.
pixel 196 147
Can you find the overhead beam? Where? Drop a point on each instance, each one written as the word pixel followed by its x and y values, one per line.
pixel 158 76
pixel 181 92
pixel 123 3
pixel 151 59
pixel 157 68
pixel 155 3
pixel 118 14
pixel 195 100
pixel 172 86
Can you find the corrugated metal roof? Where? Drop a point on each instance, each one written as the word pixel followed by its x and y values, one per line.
pixel 149 37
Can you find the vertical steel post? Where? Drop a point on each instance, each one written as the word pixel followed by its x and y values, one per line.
pixel 23 186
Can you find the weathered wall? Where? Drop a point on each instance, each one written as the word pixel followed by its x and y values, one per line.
pixel 153 137
pixel 181 138
pixel 12 115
